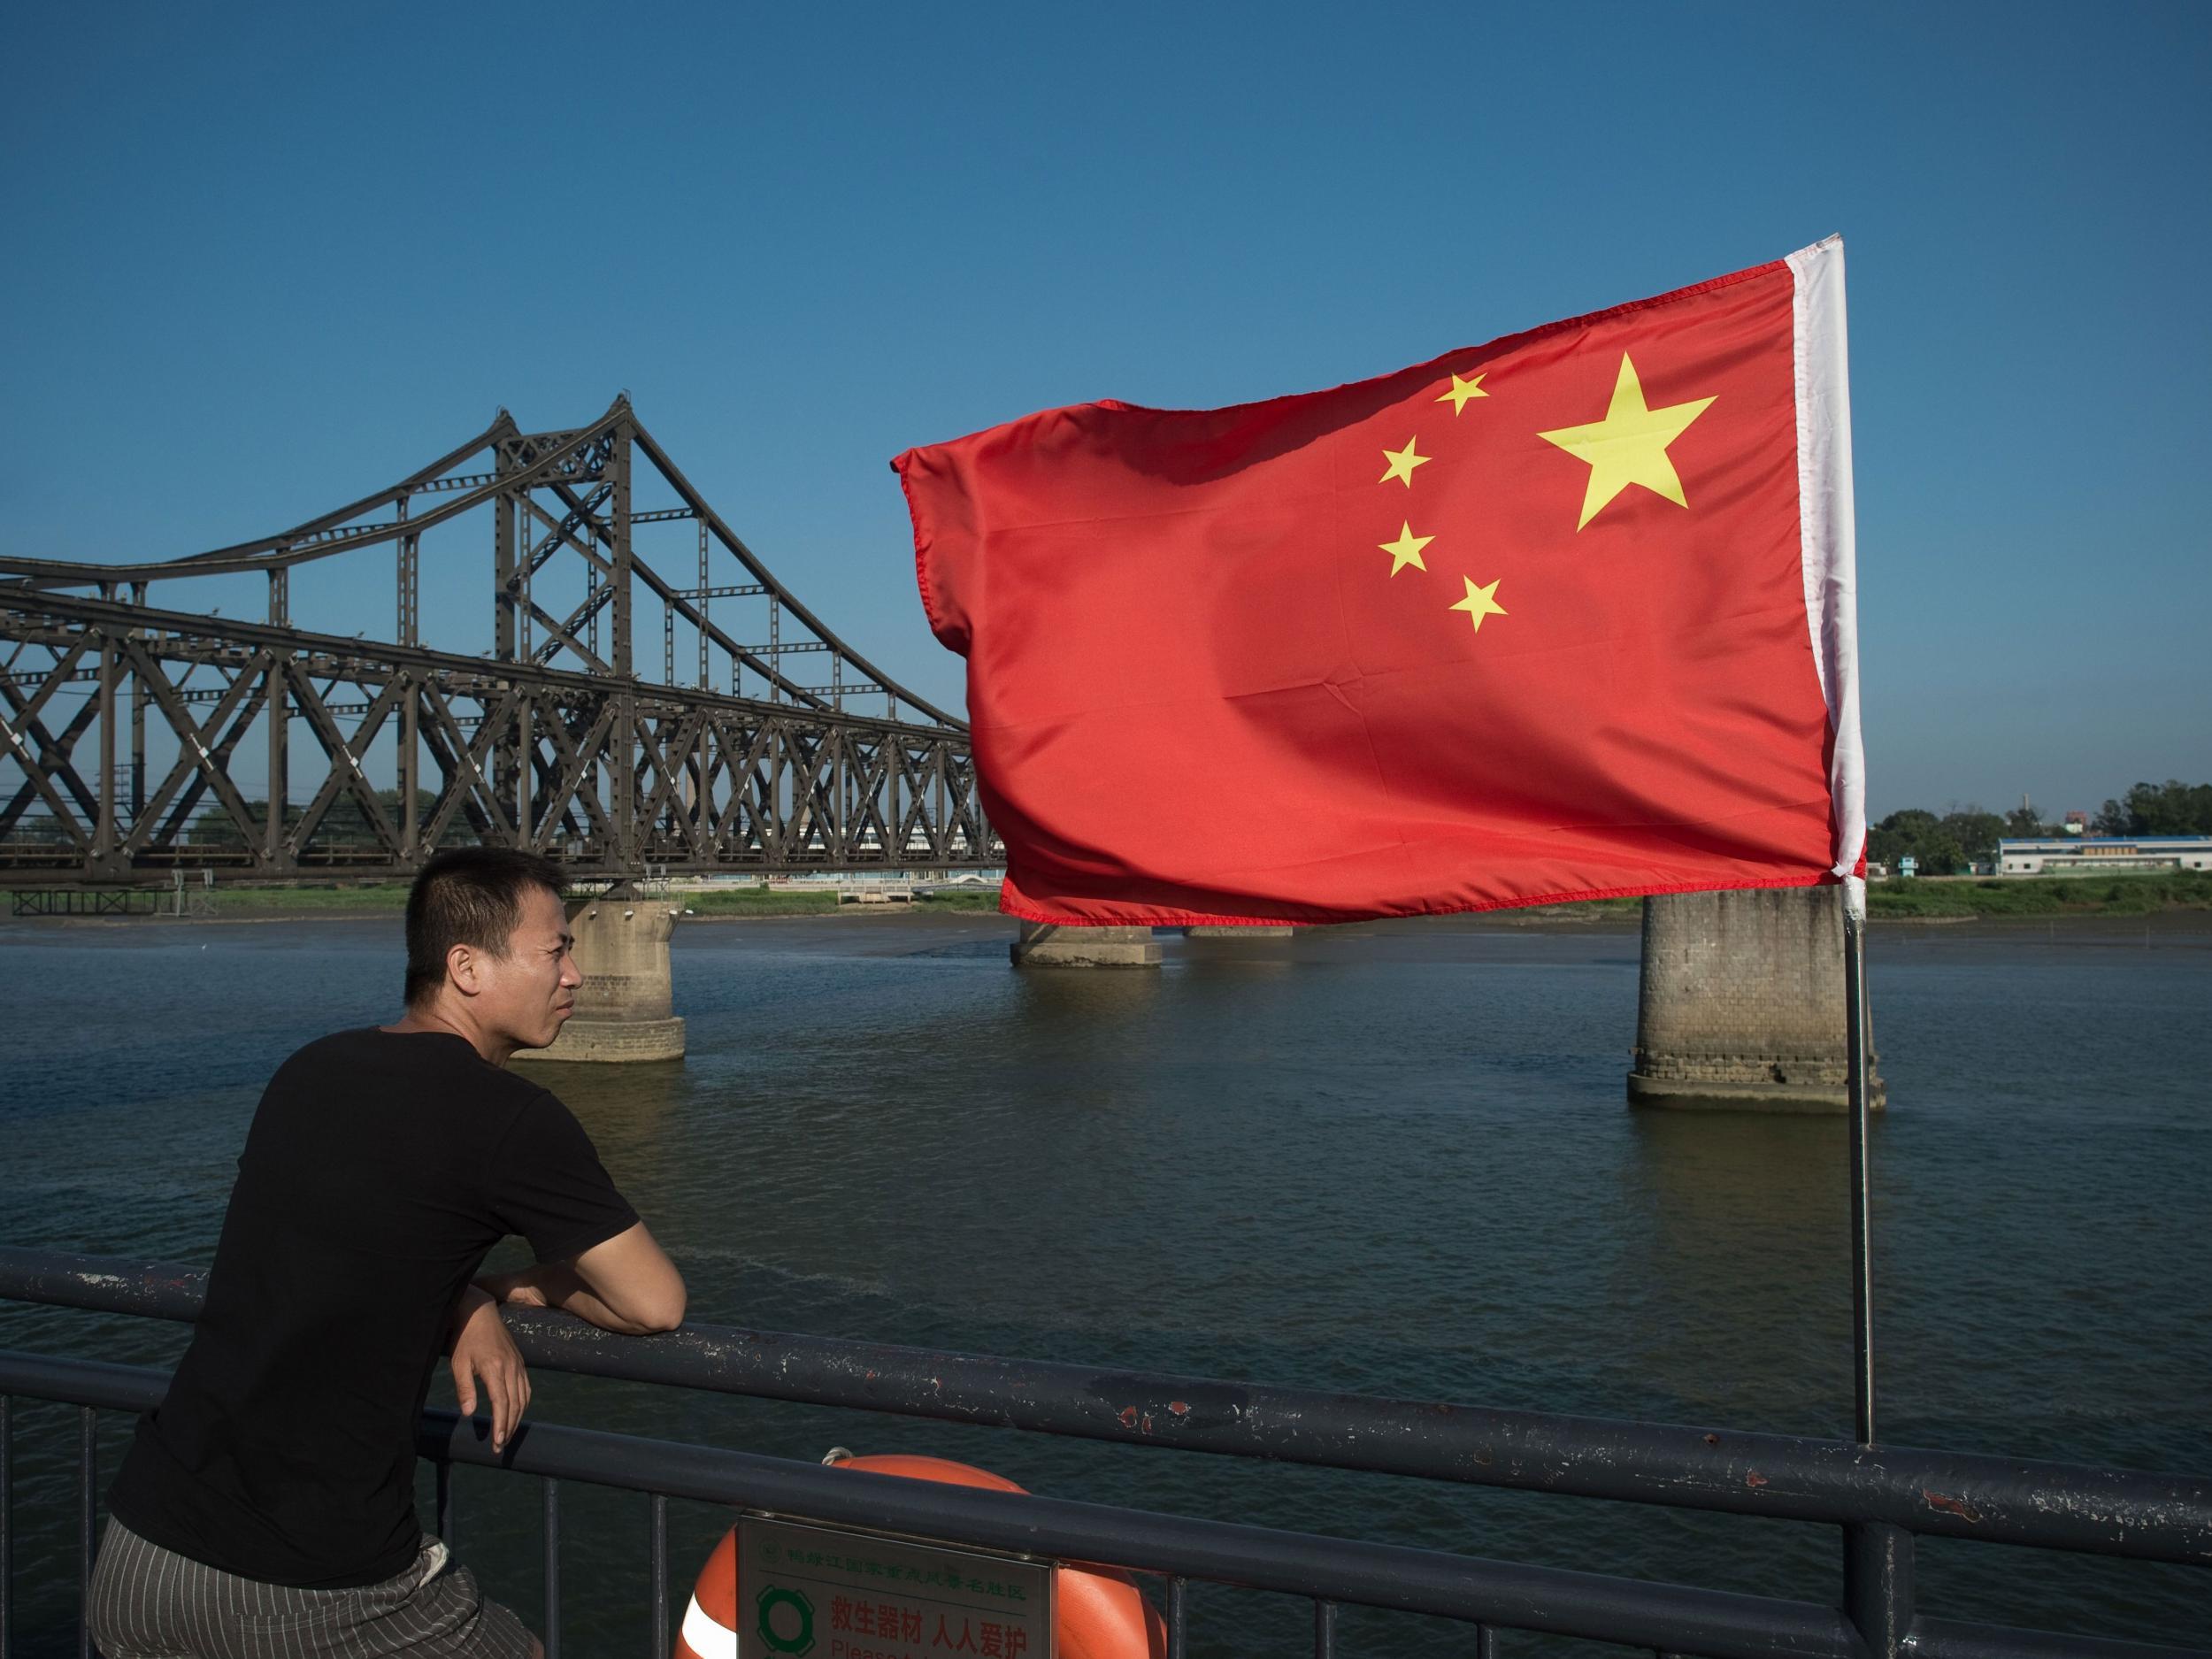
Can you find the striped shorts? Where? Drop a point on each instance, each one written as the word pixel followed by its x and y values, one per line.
pixel 148 1602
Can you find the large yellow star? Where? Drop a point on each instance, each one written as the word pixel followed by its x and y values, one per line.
pixel 1402 464
pixel 1462 390
pixel 1406 550
pixel 1629 446
pixel 1481 602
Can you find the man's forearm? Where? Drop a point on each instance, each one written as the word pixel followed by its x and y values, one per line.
pixel 556 1285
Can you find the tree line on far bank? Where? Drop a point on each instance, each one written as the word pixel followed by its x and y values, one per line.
pixel 1957 840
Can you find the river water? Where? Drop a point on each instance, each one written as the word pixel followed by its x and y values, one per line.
pixel 1393 1160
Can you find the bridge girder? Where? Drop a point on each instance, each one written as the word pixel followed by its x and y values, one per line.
pixel 555 744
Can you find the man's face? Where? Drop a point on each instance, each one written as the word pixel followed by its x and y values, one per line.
pixel 528 994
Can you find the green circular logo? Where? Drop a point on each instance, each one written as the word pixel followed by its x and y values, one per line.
pixel 794 1632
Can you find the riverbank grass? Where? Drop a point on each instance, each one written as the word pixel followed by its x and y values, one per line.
pixel 1999 896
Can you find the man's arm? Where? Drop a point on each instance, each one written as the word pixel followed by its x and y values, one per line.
pixel 626 1284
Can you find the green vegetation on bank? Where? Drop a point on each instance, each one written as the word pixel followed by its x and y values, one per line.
pixel 2000 896
pixel 331 897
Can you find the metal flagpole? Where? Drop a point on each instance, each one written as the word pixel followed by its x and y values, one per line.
pixel 1855 1091
pixel 1877 1557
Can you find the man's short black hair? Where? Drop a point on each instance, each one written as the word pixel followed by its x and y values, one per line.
pixel 468 895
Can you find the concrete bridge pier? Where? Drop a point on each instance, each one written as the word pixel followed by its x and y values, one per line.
pixel 1049 945
pixel 1742 1006
pixel 623 1006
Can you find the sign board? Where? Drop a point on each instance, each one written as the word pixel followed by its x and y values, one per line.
pixel 814 1593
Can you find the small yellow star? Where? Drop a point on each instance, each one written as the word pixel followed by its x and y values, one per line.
pixel 1462 390
pixel 1481 602
pixel 1402 464
pixel 1629 446
pixel 1406 550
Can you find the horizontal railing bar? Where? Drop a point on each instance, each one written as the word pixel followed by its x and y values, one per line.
pixel 1949 1639
pixel 1718 1624
pixel 1999 1500
pixel 1724 1624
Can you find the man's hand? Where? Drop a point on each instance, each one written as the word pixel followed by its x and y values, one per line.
pixel 482 1352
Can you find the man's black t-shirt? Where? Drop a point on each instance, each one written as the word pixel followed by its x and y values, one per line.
pixel 379 1169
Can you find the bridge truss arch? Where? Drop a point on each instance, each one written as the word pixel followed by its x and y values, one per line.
pixel 765 744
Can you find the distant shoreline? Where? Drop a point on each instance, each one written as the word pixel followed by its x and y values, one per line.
pixel 2180 902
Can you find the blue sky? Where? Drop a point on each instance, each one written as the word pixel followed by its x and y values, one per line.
pixel 258 261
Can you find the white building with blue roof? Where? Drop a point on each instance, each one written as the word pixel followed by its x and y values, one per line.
pixel 2095 854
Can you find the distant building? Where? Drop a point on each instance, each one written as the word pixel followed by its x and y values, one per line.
pixel 2090 855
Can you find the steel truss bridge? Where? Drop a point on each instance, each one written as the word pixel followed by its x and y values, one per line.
pixel 776 749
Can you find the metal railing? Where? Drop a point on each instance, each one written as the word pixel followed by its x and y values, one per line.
pixel 1882 1497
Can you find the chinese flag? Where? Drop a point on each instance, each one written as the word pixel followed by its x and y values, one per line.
pixel 1565 616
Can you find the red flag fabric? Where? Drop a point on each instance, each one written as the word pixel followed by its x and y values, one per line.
pixel 1565 616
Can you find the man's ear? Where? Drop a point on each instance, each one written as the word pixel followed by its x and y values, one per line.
pixel 462 964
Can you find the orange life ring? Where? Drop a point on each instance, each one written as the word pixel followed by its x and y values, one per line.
pixel 1102 1615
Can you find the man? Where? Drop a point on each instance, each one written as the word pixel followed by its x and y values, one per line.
pixel 267 1507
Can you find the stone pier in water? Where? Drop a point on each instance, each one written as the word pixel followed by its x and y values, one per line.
pixel 1742 1003
pixel 1049 945
pixel 623 1007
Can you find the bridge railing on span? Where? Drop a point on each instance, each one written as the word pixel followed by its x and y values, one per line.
pixel 1880 1499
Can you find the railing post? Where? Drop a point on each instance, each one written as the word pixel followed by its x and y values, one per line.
pixel 1878 1586
pixel 7 1525
pixel 87 1519
pixel 660 1573
pixel 552 1568
pixel 1324 1629
pixel 1178 1616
